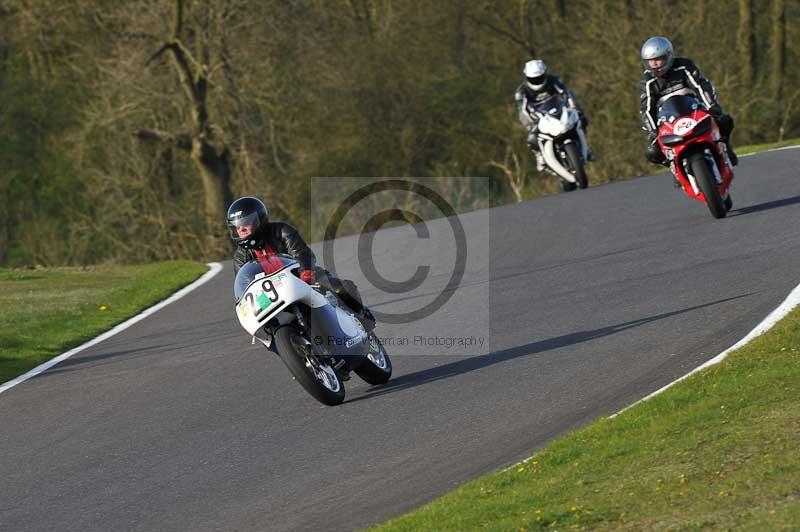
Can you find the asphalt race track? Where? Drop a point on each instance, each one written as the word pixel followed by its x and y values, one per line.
pixel 585 302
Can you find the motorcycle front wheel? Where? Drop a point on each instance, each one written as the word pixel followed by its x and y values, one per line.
pixel 576 164
pixel 377 368
pixel 708 185
pixel 728 202
pixel 317 378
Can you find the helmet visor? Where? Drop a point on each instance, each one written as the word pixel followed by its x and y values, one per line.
pixel 538 80
pixel 243 226
pixel 657 65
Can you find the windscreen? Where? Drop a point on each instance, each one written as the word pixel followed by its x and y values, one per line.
pixel 676 107
pixel 254 270
pixel 550 106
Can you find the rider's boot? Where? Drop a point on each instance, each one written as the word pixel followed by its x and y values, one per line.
pixel 540 166
pixel 590 156
pixel 731 154
pixel 567 186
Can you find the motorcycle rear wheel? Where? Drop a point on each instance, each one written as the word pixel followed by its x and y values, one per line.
pixel 708 185
pixel 317 378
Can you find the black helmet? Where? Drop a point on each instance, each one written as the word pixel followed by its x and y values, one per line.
pixel 244 211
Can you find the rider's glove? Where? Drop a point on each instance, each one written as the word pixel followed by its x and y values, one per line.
pixel 715 110
pixel 308 276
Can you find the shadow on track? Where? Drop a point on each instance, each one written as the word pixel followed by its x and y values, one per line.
pixel 451 287
pixel 765 206
pixel 462 366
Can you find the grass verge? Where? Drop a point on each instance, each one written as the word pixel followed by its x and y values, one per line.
pixel 755 148
pixel 49 311
pixel 717 451
pixel 546 185
pixel 745 150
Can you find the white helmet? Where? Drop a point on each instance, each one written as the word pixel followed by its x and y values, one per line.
pixel 535 74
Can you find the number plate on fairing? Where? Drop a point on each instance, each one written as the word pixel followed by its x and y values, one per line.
pixel 684 125
pixel 262 299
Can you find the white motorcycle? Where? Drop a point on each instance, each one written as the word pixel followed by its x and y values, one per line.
pixel 562 142
pixel 318 338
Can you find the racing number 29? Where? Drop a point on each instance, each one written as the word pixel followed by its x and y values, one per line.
pixel 256 304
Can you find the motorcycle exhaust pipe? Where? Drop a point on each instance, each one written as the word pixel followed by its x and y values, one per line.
pixel 552 161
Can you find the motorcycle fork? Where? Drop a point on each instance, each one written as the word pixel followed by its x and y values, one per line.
pixel 687 174
pixel 714 166
pixel 317 352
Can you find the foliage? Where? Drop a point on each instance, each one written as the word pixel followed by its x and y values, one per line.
pixel 331 88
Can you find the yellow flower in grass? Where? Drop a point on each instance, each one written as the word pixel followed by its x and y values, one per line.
pixel 102 308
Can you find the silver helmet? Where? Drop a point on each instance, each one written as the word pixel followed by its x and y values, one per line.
pixel 654 48
pixel 535 74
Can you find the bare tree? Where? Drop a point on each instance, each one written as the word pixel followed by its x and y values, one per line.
pixel 204 140
pixel 778 46
pixel 519 29
pixel 746 40
pixel 513 172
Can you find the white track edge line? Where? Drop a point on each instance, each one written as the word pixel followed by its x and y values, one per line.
pixel 773 149
pixel 791 301
pixel 788 304
pixel 213 269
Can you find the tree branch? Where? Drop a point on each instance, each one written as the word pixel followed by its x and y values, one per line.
pixel 181 140
pixel 507 34
pixel 157 54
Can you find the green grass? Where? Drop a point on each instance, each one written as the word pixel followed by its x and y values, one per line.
pixel 538 188
pixel 755 148
pixel 718 451
pixel 46 312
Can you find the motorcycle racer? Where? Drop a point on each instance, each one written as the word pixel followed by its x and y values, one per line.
pixel 666 75
pixel 256 238
pixel 538 87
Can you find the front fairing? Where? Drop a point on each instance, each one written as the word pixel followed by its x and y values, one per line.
pixel 680 118
pixel 554 117
pixel 267 300
pixel 261 297
pixel 253 271
pixel 686 128
pixel 336 332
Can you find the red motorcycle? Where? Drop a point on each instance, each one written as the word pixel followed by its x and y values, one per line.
pixel 689 138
